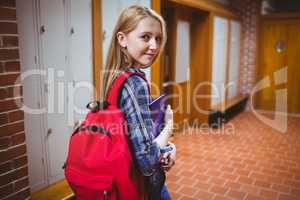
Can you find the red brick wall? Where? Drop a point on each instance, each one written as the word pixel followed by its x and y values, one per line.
pixel 14 182
pixel 249 11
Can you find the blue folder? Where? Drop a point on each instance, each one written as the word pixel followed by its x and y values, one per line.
pixel 158 108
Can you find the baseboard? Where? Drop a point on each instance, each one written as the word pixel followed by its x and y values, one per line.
pixel 216 118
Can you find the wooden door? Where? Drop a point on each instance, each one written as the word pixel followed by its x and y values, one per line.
pixel 186 64
pixel 177 64
pixel 279 49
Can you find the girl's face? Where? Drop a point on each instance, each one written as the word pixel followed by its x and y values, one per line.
pixel 144 42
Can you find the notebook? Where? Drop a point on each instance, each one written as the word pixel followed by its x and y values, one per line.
pixel 158 107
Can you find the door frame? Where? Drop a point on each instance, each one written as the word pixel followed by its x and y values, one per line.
pixel 97 33
pixel 200 33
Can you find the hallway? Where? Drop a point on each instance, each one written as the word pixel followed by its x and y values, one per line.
pixel 252 162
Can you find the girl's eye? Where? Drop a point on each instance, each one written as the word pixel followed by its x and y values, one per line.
pixel 158 39
pixel 146 37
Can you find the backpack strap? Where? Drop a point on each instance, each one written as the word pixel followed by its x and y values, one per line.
pixel 114 93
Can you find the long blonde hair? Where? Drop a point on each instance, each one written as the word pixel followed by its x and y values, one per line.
pixel 118 57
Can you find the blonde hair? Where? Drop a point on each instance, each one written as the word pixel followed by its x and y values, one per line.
pixel 118 57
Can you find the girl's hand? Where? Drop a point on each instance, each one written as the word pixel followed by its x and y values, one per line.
pixel 168 158
pixel 167 162
pixel 173 152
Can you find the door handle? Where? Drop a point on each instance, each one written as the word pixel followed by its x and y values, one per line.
pixel 42 29
pixel 49 132
pixel 72 31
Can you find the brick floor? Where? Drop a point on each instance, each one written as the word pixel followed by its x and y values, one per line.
pixel 245 160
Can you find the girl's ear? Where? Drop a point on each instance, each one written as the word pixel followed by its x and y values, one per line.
pixel 122 39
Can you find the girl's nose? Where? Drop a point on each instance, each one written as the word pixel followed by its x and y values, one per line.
pixel 153 44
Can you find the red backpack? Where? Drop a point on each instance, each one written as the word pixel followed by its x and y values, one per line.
pixel 99 164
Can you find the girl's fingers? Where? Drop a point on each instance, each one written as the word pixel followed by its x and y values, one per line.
pixel 169 165
pixel 166 155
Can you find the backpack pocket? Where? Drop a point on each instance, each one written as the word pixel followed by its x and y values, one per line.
pixel 82 193
pixel 87 187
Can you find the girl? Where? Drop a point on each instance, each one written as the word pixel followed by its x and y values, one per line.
pixel 138 38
